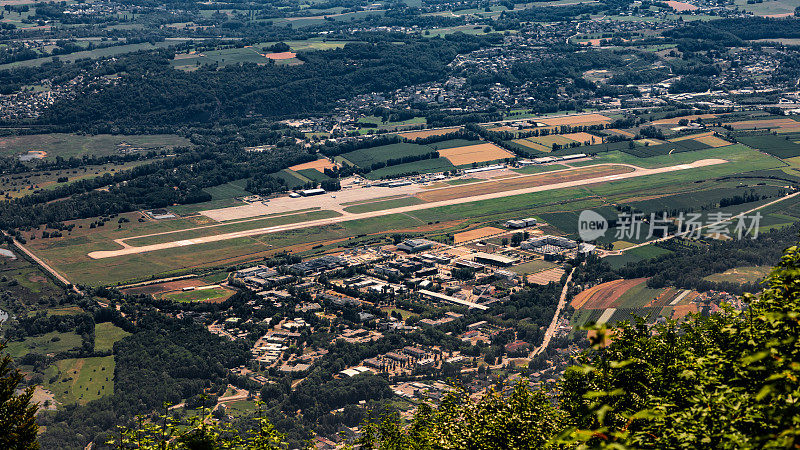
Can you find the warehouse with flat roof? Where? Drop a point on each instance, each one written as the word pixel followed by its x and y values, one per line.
pixel 493 259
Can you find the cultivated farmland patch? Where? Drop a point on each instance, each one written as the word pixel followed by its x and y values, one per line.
pixel 477 233
pixel 474 154
pixel 412 135
pixel 320 165
pixel 604 295
pixel 583 119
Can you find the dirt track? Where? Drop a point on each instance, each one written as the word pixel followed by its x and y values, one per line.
pixel 346 216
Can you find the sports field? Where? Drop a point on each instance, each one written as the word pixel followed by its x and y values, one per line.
pixel 210 294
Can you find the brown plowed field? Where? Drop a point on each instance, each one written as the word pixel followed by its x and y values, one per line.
pixel 510 184
pixel 604 295
pixel 769 123
pixel 664 298
pixel 478 233
pixel 320 164
pixel 469 154
pixel 582 119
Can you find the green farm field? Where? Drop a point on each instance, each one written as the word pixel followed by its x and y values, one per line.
pixel 781 145
pixel 424 166
pixel 73 145
pixel 698 199
pixel 53 342
pixel 367 157
pixel 81 380
pixel 635 255
pixel 637 297
pixel 106 334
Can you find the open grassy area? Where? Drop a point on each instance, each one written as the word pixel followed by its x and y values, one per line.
pixel 242 408
pixel 782 145
pixel 740 275
pixel 386 204
pixel 73 145
pixel 424 166
pixel 96 53
pixel 635 255
pixel 199 295
pixel 368 156
pixel 34 182
pixel 81 380
pixel 106 334
pixel 533 267
pixel 232 227
pixel 404 313
pixel 223 57
pixel 540 168
pixel 222 196
pixel 745 158
pixel 53 342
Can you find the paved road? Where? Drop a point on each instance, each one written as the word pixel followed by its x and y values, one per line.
pixel 553 323
pixel 47 267
pixel 345 217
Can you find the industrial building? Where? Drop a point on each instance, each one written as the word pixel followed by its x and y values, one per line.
pixel 493 259
pixel 520 223
pixel 310 192
pixel 415 245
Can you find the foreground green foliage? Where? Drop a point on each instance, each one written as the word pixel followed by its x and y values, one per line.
pixel 201 432
pixel 17 422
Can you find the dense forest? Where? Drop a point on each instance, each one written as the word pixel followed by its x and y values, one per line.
pixel 184 359
pixel 688 264
pixel 152 95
